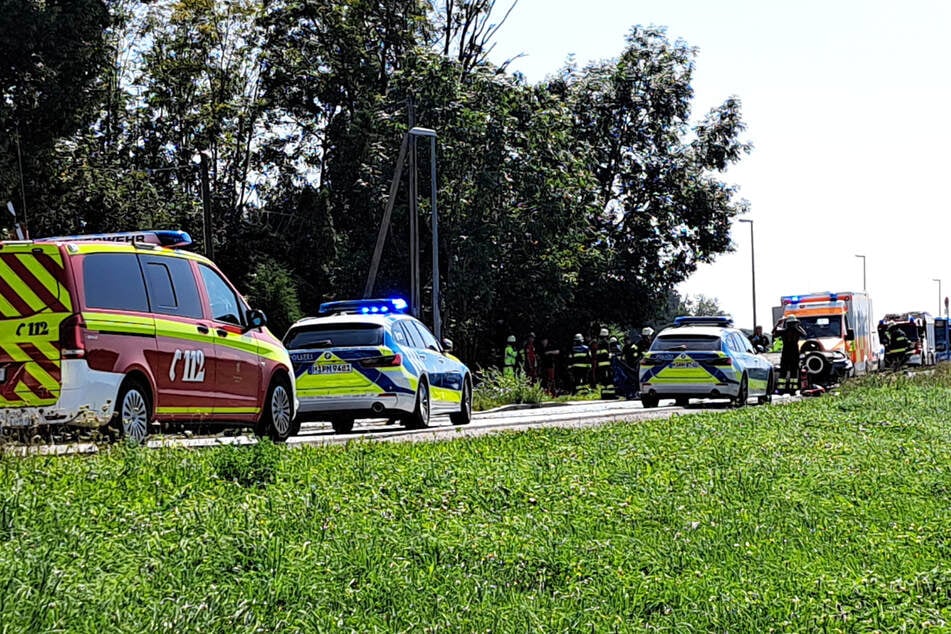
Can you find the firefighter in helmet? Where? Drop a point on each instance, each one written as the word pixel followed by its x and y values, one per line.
pixel 579 363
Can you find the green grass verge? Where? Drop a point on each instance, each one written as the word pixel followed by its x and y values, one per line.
pixel 826 515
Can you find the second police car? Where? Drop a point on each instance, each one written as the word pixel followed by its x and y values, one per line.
pixel 366 358
pixel 704 357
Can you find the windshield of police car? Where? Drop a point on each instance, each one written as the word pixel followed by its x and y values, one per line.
pixel 679 341
pixel 820 327
pixel 334 336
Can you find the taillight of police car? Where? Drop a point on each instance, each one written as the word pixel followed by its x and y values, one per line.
pixel 390 360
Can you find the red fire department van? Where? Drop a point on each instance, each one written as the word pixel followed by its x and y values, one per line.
pixel 128 329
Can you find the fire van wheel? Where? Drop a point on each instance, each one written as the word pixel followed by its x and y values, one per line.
pixel 419 419
pixel 743 394
pixel 464 415
pixel 133 411
pixel 276 417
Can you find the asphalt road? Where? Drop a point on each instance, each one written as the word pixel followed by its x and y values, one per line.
pixel 511 418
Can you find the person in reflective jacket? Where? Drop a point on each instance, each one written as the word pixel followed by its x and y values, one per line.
pixel 579 363
pixel 509 357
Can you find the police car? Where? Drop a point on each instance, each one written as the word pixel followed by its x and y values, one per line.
pixel 704 357
pixel 128 329
pixel 366 358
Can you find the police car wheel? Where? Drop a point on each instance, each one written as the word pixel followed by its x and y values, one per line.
pixel 743 394
pixel 276 415
pixel 464 415
pixel 770 388
pixel 420 416
pixel 342 425
pixel 133 411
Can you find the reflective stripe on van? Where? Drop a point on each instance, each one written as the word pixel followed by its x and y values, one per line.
pixel 34 300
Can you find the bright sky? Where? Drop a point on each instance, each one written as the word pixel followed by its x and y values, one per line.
pixel 847 103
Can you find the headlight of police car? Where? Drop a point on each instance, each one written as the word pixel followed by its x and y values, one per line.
pixel 838 355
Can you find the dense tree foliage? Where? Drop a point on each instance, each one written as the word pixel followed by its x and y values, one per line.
pixel 577 201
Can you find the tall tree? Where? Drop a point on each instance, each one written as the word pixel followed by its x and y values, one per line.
pixel 52 54
pixel 663 207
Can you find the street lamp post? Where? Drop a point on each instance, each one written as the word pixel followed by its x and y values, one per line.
pixel 863 271
pixel 753 267
pixel 935 279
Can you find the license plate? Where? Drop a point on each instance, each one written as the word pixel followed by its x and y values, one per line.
pixel 681 364
pixel 330 368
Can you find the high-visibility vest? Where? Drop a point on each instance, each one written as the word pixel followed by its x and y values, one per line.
pixel 510 357
pixel 603 355
pixel 581 357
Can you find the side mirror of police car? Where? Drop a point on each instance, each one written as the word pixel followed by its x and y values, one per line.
pixel 256 319
pixel 849 334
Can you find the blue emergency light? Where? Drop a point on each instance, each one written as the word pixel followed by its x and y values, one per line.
pixel 162 237
pixel 720 321
pixel 364 306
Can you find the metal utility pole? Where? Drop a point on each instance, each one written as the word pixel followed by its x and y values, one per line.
pixel 753 262
pixel 413 217
pixel 863 271
pixel 25 230
pixel 206 205
pixel 408 147
pixel 935 279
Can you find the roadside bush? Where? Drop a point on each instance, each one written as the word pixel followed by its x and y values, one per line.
pixel 249 466
pixel 272 289
pixel 494 389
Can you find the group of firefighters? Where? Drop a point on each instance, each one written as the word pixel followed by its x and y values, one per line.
pixel 589 364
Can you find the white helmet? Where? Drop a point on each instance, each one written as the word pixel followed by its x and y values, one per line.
pixel 579 338
pixel 447 344
pixel 647 331
pixel 511 339
pixel 612 340
pixel 603 333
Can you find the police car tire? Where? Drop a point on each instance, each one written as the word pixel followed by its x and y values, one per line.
pixel 464 415
pixel 650 400
pixel 770 388
pixel 419 419
pixel 134 396
pixel 743 394
pixel 266 426
pixel 342 425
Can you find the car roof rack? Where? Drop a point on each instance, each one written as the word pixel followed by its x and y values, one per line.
pixel 720 321
pixel 390 306
pixel 169 238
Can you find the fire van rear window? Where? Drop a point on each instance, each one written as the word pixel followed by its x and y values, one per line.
pixel 335 336
pixel 114 281
pixel 705 343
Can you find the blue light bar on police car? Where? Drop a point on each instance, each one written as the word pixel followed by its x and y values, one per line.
pixel 365 306
pixel 162 238
pixel 722 321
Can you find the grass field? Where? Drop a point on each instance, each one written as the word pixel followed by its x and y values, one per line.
pixel 831 514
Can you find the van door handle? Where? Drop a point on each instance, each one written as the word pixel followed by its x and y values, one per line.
pixel 203 329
